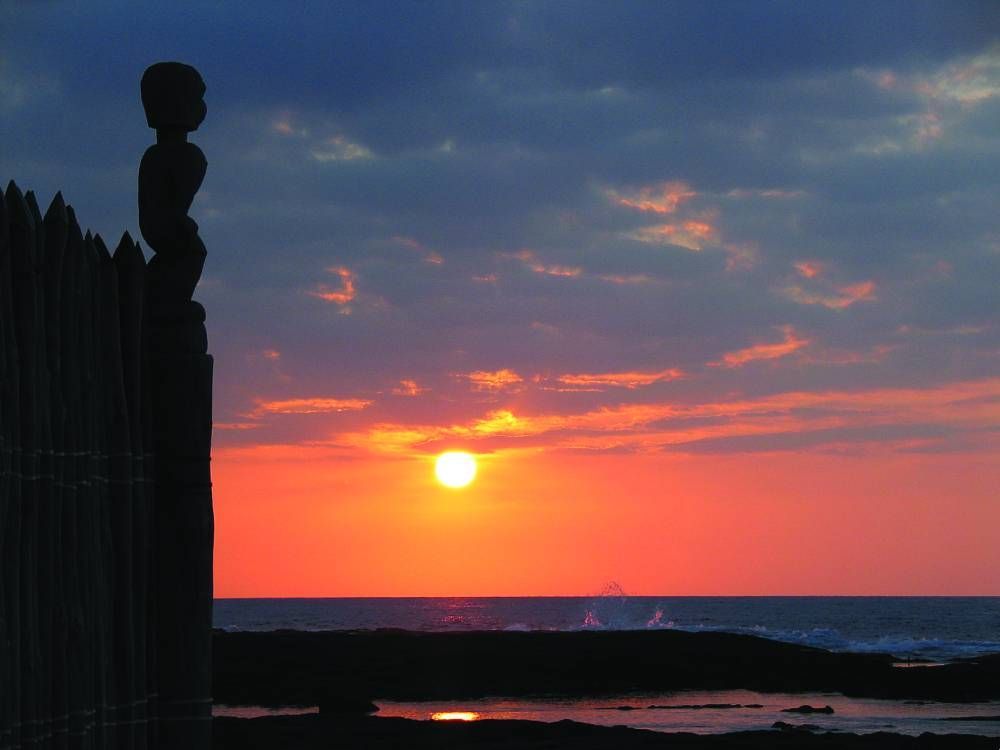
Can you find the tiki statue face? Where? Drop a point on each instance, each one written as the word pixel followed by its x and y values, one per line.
pixel 173 97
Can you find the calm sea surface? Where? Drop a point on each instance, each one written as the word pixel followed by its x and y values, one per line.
pixel 935 628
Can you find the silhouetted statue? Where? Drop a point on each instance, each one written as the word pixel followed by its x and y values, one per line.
pixel 180 376
pixel 170 174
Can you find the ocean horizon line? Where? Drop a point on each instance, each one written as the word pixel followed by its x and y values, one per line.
pixel 602 595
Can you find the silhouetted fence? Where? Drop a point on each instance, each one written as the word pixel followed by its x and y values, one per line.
pixel 78 655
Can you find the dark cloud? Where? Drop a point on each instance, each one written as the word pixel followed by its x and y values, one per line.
pixel 462 162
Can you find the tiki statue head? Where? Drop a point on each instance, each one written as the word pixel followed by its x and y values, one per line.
pixel 173 97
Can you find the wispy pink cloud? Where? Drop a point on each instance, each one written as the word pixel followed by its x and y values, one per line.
pixel 770 193
pixel 808 269
pixel 344 294
pixel 340 148
pixel 625 279
pixel 790 344
pixel 835 356
pixel 631 379
pixel 320 405
pixel 531 260
pixel 841 298
pixel 495 380
pixel 662 198
pixel 427 255
pixel 408 387
pixel 692 234
pixel 969 405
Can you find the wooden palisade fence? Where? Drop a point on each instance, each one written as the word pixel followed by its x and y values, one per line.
pixel 82 570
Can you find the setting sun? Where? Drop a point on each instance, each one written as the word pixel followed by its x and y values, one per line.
pixel 455 468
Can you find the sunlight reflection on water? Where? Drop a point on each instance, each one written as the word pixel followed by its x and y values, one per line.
pixel 714 712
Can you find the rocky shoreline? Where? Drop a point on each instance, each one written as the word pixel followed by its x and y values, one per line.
pixel 313 731
pixel 343 671
pixel 308 668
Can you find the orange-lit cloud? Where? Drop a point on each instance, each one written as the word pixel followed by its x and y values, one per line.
pixel 631 379
pixel 428 255
pixel 771 193
pixel 832 356
pixel 408 387
pixel 692 229
pixel 808 269
pixel 969 405
pixel 740 255
pixel 283 125
pixel 496 380
pixel 309 405
pixel 843 297
pixel 344 294
pixel 531 261
pixel 963 330
pixel 625 279
pixel 693 234
pixel 662 198
pixel 791 343
pixel 339 148
pixel 947 94
pixel 969 82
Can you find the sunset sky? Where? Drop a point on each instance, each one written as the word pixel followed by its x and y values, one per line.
pixel 710 289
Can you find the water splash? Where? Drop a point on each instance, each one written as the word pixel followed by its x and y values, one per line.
pixel 656 620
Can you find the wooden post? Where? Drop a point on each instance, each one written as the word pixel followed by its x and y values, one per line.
pixel 152 537
pixel 56 226
pixel 44 478
pixel 66 678
pixel 131 268
pixel 170 174
pixel 119 496
pixel 73 464
pixel 8 439
pixel 21 231
pixel 87 521
pixel 88 562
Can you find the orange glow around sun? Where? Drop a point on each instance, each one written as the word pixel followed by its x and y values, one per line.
pixel 455 469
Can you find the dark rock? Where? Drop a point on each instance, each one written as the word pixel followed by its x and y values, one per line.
pixel 701 706
pixel 337 703
pixel 970 718
pixel 291 667
pixel 806 709
pixel 372 733
pixel 784 726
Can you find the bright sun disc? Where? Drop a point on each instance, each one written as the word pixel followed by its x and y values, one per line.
pixel 455 716
pixel 455 468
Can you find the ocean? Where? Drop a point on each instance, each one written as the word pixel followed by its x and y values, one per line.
pixel 922 628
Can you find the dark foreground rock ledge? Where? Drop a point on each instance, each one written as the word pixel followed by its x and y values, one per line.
pixel 295 668
pixel 308 732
